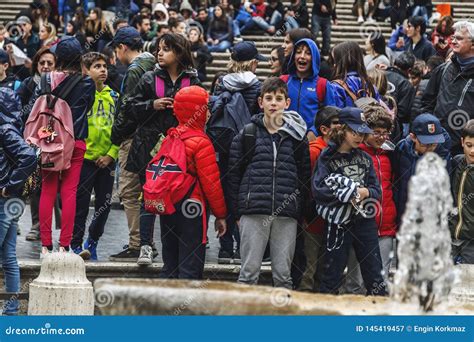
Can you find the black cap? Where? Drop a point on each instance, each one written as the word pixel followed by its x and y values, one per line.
pixel 355 119
pixel 129 36
pixel 67 48
pixel 427 129
pixel 246 51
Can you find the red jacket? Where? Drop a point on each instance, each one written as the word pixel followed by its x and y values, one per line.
pixel 190 107
pixel 386 219
pixel 315 149
pixel 260 8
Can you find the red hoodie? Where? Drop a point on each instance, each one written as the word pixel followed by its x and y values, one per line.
pixel 386 219
pixel 315 149
pixel 190 108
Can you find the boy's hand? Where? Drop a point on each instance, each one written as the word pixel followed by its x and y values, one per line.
pixel 104 161
pixel 363 193
pixel 221 227
pixel 163 103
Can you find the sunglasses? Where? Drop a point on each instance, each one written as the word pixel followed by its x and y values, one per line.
pixel 46 63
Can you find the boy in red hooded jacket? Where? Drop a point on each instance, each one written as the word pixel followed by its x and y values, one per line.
pixel 183 234
pixel 384 211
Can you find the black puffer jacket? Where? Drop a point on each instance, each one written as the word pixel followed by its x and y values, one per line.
pixel 17 158
pixel 403 93
pixel 245 83
pixel 151 123
pixel 202 57
pixel 449 95
pixel 269 186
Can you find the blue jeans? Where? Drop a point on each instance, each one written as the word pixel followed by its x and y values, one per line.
pixel 221 47
pixel 264 25
pixel 291 24
pixel 322 24
pixel 8 228
pixel 420 11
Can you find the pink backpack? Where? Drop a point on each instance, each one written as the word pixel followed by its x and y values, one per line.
pixel 50 124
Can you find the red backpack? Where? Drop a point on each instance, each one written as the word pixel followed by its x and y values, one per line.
pixel 167 179
pixel 50 125
pixel 320 86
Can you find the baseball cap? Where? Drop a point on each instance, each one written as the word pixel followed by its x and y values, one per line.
pixel 246 51
pixel 427 129
pixel 4 57
pixel 355 119
pixel 127 35
pixel 67 48
pixel 23 20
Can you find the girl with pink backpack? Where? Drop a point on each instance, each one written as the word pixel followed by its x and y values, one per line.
pixel 58 126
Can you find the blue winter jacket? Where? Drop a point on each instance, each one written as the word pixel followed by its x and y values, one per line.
pixel 404 166
pixel 354 83
pixel 17 158
pixel 64 7
pixel 302 92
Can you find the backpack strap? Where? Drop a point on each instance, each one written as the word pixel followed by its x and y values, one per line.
pixel 71 82
pixel 347 90
pixel 159 87
pixel 249 138
pixel 45 85
pixel 321 89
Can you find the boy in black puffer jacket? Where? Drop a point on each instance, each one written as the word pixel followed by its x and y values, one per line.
pixel 268 178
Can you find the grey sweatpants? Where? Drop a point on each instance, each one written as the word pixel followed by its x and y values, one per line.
pixel 255 232
pixel 354 283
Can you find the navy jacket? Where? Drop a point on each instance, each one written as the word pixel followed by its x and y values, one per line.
pixel 17 158
pixel 268 186
pixel 423 50
pixel 356 165
pixel 404 166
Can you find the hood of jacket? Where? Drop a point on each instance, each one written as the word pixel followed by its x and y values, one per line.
pixel 190 107
pixel 159 7
pixel 239 81
pixel 144 59
pixel 294 125
pixel 185 5
pixel 315 57
pixel 10 108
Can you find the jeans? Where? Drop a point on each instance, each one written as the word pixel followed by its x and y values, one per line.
pixel 263 24
pixel 291 24
pixel 322 24
pixel 9 217
pixel 420 11
pixel 221 47
pixel 102 182
pixel 147 226
pixel 362 234
pixel 183 249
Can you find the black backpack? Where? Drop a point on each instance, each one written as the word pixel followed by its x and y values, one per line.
pixel 229 115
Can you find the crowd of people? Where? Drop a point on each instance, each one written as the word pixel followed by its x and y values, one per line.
pixel 289 167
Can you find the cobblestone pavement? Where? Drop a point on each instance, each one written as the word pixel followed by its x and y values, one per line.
pixel 114 238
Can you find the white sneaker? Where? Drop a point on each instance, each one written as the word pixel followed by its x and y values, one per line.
pixel 62 250
pixel 370 20
pixel 146 256
pixel 44 252
pixel 360 20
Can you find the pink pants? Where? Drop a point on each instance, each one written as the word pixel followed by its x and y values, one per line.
pixel 67 181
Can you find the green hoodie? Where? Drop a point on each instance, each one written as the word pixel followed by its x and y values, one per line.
pixel 100 119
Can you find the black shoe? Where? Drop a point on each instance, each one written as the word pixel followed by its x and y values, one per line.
pixel 224 257
pixel 236 257
pixel 127 255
